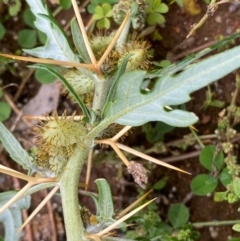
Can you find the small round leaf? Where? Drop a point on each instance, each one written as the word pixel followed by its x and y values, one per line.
pixel 5 111
pixel 209 158
pixel 66 4
pixel 178 215
pixel 44 76
pixel 203 184
pixel 27 38
pixel 29 18
pixel 224 177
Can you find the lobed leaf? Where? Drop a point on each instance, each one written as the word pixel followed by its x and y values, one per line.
pixel 57 46
pixel 131 106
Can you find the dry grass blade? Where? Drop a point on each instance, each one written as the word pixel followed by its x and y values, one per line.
pixel 39 207
pixel 121 220
pixel 149 158
pixel 130 207
pixel 16 197
pixel 48 61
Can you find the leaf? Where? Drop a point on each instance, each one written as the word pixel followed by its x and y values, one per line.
pixel 220 196
pixel 27 38
pixel 210 158
pixel 236 227
pixel 44 76
pixel 132 107
pixel 11 217
pixel 236 186
pixel 79 42
pixel 15 150
pixel 5 111
pixel 67 85
pixel 105 203
pixel 178 215
pixel 224 177
pixel 2 31
pixel 29 18
pixel 66 4
pixel 174 68
pixel 203 184
pixel 160 184
pixel 57 46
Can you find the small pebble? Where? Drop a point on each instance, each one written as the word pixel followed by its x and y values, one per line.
pixel 218 19
pixel 63 21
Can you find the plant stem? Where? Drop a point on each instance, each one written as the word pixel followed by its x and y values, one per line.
pixel 215 223
pixel 69 193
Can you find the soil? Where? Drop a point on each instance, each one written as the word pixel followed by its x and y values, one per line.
pixel 48 224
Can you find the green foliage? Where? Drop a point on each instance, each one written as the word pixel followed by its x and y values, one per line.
pixel 14 7
pixel 213 161
pixel 27 38
pixel 65 4
pixel 101 14
pixel 44 76
pixel 160 184
pixel 2 31
pixel 154 12
pixel 57 46
pixel 5 111
pixel 155 132
pixel 178 215
pixel 94 3
pixel 11 217
pixel 29 18
pixel 13 147
pixel 211 158
pixel 131 106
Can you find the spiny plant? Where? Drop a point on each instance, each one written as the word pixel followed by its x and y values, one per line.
pixel 123 89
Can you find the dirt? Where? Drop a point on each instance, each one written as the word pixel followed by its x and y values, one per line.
pixel 174 47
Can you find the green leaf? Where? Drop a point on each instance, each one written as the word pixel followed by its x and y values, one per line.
pixel 67 85
pixel 14 7
pixel 174 68
pixel 155 18
pixel 66 4
pixel 1 93
pixel 29 18
pixel 15 150
pixel 79 42
pixel 44 76
pixel 106 209
pixel 57 46
pixel 220 196
pixel 162 8
pixel 236 186
pixel 160 184
pixel 12 217
pixel 203 184
pixel 178 215
pixel 42 37
pixel 107 10
pixel 224 177
pixel 2 31
pixel 103 23
pixel 210 158
pixel 132 107
pixel 5 111
pixel 236 227
pixel 27 38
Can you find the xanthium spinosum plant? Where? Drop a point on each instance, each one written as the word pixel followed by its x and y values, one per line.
pixel 115 84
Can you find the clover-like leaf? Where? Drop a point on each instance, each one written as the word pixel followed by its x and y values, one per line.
pixel 102 13
pixel 154 10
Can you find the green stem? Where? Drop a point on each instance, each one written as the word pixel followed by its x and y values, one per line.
pixel 215 223
pixel 101 90
pixel 197 138
pixel 69 193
